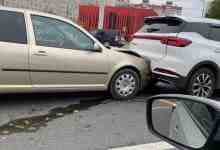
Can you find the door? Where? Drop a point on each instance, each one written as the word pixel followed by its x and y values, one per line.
pixel 64 56
pixel 148 41
pixel 14 49
pixel 214 35
pixel 214 44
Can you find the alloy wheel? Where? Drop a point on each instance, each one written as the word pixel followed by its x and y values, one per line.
pixel 203 85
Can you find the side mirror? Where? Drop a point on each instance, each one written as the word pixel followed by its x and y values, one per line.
pixel 107 45
pixel 185 122
pixel 97 48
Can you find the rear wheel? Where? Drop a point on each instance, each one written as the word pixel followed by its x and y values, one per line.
pixel 202 83
pixel 125 84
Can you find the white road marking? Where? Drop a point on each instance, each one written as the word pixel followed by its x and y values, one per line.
pixel 151 146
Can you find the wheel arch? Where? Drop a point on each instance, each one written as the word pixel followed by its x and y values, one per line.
pixel 206 64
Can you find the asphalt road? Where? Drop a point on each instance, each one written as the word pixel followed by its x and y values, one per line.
pixel 79 121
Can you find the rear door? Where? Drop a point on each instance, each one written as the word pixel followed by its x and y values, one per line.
pixel 150 39
pixel 214 42
pixel 214 35
pixel 14 49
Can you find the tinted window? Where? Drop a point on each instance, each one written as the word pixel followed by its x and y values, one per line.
pixel 161 26
pixel 55 33
pixel 200 28
pixel 13 28
pixel 215 33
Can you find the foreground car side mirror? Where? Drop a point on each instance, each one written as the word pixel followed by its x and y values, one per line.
pixel 186 122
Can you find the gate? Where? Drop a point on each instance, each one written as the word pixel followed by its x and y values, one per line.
pixel 88 16
pixel 127 20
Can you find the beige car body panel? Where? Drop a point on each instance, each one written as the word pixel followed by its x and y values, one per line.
pixel 23 69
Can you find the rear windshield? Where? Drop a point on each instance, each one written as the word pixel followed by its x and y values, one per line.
pixel 162 25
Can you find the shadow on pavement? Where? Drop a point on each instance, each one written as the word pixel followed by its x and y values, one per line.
pixel 34 123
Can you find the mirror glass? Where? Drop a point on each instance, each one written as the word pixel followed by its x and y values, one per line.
pixel 185 122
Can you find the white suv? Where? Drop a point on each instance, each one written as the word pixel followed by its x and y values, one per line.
pixel 184 51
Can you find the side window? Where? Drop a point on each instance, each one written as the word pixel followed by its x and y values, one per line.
pixel 200 28
pixel 51 32
pixel 13 28
pixel 215 33
pixel 161 26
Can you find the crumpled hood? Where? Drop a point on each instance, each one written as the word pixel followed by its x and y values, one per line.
pixel 127 51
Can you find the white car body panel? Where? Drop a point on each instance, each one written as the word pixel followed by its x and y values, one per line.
pixel 180 60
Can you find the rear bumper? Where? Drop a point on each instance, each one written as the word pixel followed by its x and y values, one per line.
pixel 180 82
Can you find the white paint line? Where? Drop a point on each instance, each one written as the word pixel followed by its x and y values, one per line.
pixel 151 146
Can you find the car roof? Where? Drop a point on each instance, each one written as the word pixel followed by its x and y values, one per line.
pixel 27 11
pixel 12 9
pixel 35 12
pixel 189 19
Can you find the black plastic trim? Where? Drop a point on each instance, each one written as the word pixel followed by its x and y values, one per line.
pixel 180 82
pixel 53 71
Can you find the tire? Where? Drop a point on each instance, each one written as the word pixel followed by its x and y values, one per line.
pixel 202 83
pixel 125 84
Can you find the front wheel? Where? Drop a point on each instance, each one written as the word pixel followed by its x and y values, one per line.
pixel 202 83
pixel 125 84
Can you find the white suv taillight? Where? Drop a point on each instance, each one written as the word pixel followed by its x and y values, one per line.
pixel 175 41
pixel 168 40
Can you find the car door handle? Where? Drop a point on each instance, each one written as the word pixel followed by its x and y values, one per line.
pixel 41 53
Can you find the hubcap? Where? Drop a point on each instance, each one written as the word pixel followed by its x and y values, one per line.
pixel 125 84
pixel 202 85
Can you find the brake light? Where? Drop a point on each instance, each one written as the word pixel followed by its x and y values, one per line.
pixel 175 41
pixel 150 37
pixel 168 40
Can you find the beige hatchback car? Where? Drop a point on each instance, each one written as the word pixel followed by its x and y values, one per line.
pixel 45 53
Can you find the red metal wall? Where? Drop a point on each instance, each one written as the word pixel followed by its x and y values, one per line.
pixel 127 20
pixel 88 16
